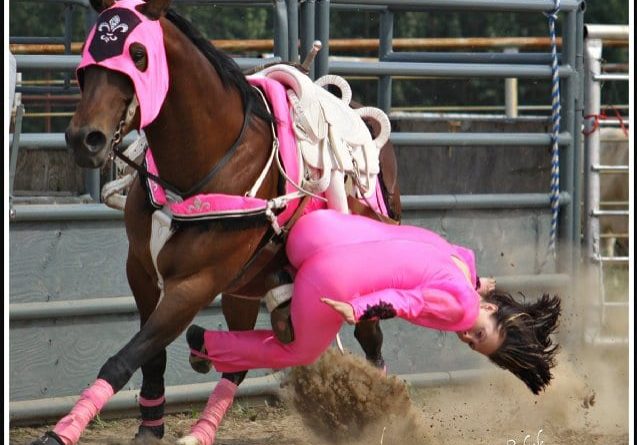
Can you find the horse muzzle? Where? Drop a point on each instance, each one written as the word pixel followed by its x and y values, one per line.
pixel 89 146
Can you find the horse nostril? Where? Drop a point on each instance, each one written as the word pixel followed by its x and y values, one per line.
pixel 95 141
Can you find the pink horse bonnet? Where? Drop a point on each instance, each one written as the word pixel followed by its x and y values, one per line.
pixel 108 46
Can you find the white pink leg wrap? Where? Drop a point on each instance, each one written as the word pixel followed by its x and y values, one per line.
pixel 92 400
pixel 218 403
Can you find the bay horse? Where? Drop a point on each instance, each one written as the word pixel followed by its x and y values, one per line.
pixel 210 132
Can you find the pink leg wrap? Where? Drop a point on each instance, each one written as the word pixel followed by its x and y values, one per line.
pixel 92 400
pixel 218 403
pixel 151 402
pixel 151 423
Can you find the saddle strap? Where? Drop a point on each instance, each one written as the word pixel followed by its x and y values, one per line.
pixel 360 209
pixel 270 249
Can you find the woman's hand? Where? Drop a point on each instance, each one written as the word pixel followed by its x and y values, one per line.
pixel 487 286
pixel 344 309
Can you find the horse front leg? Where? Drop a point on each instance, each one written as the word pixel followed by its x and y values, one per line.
pixel 241 315
pixel 183 299
pixel 151 395
pixel 370 337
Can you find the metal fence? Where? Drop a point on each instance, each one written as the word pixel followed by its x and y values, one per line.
pixel 314 23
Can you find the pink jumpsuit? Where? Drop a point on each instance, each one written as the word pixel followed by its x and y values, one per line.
pixel 381 270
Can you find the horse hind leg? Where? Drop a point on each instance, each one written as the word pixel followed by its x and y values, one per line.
pixel 241 315
pixel 370 337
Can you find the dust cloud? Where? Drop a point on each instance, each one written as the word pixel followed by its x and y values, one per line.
pixel 342 399
pixel 588 398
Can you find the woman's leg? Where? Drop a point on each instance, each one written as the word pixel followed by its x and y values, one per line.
pixel 315 325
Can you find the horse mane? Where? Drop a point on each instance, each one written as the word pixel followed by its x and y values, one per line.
pixel 227 69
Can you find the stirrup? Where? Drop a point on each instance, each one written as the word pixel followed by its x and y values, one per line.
pixel 277 300
pixel 282 323
pixel 278 295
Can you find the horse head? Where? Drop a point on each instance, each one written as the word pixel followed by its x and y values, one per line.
pixel 123 76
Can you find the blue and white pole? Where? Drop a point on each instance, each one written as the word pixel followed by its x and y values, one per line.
pixel 555 131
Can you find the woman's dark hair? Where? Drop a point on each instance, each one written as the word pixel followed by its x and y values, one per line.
pixel 527 350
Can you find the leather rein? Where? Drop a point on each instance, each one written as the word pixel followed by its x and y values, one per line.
pixel 142 171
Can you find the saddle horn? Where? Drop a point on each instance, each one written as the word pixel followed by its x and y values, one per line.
pixel 309 58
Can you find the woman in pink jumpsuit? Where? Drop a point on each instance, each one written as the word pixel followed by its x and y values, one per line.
pixel 353 268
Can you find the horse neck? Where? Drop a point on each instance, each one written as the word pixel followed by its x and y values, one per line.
pixel 200 118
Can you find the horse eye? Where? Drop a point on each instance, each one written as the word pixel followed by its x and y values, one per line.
pixel 137 52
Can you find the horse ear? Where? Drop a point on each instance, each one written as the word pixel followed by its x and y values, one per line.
pixel 100 5
pixel 154 9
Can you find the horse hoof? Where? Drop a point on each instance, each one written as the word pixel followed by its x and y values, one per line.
pixel 49 438
pixel 378 363
pixel 194 337
pixel 188 440
pixel 149 432
pixel 200 365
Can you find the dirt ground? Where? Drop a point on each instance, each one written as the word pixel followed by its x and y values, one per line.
pixel 344 401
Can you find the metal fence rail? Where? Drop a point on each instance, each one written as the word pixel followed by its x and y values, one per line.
pixel 313 24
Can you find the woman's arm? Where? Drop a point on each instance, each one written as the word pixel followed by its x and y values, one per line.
pixel 427 307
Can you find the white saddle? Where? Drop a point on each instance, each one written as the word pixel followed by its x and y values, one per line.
pixel 332 138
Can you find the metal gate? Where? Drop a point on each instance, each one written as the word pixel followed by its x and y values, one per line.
pixel 606 200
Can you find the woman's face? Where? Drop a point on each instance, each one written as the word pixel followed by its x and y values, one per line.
pixel 484 336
